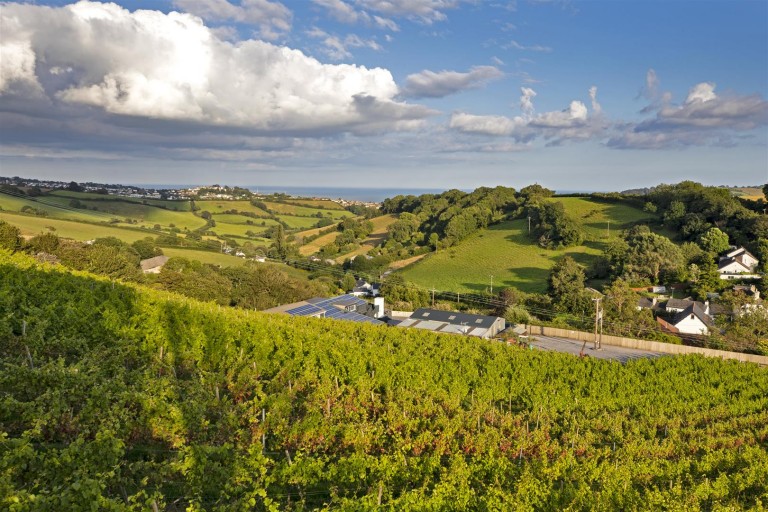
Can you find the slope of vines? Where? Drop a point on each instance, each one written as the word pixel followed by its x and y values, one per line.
pixel 116 397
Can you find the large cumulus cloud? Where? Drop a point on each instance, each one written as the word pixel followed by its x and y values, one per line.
pixel 171 67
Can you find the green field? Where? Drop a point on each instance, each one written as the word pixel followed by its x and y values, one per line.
pixel 53 210
pixel 222 206
pixel 181 205
pixel 81 231
pixel 298 222
pixel 223 228
pixel 506 252
pixel 325 204
pixel 303 211
pixel 102 209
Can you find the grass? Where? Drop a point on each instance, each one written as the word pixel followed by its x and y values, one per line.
pixel 227 260
pixel 240 229
pixel 298 222
pixel 318 243
pixel 229 218
pixel 180 205
pixel 80 231
pixel 325 204
pixel 102 209
pixel 506 252
pixel 303 211
pixel 222 206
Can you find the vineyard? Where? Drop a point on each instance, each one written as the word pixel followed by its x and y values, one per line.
pixel 118 397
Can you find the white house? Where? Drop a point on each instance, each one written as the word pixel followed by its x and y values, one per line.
pixel 693 320
pixel 738 264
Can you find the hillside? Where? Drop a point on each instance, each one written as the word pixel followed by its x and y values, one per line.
pixel 121 398
pixel 506 252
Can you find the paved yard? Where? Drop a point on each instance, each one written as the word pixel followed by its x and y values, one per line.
pixel 606 352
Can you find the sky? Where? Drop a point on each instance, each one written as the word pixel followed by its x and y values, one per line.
pixel 574 95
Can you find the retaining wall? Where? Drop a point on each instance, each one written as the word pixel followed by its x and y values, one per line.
pixel 654 346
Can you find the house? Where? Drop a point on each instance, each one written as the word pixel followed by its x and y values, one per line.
pixel 364 288
pixel 693 320
pixel 646 303
pixel 748 290
pixel 153 265
pixel 679 305
pixel 738 264
pixel 455 323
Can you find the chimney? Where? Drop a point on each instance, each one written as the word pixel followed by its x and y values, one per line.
pixel 378 304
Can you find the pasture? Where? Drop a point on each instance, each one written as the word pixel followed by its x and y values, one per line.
pixel 220 206
pixel 80 231
pixel 506 251
pixel 303 211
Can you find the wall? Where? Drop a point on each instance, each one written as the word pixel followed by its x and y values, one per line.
pixel 654 346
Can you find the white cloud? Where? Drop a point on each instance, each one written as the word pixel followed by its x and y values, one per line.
pixel 431 84
pixel 485 125
pixel 571 123
pixel 272 18
pixel 533 48
pixel 151 65
pixel 337 48
pixel 424 11
pixel 346 13
pixel 703 119
pixel 526 101
pixel 701 93
pixel 596 108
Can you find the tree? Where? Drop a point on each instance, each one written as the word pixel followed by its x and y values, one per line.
pixel 10 236
pixel 621 313
pixel 714 241
pixel 566 286
pixel 146 248
pixel 648 256
pixel 44 242
pixel 348 282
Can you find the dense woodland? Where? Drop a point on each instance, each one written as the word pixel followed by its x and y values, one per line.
pixel 117 397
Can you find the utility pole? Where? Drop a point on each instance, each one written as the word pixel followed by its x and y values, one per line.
pixel 529 224
pixel 609 229
pixel 598 319
pixel 491 284
pixel 433 296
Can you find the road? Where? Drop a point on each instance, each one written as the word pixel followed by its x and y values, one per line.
pixel 568 346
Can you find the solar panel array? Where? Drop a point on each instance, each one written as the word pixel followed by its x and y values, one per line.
pixel 306 310
pixel 329 309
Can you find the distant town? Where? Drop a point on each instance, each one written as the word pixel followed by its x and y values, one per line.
pixel 206 192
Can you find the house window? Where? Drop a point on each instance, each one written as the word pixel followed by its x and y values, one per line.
pixel 451 317
pixel 425 314
pixel 479 321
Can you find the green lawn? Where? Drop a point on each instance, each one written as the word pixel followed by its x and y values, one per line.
pixel 53 209
pixel 71 229
pixel 506 252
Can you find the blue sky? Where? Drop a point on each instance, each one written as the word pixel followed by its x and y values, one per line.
pixel 594 95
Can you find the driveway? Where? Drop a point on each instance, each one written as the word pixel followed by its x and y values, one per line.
pixel 568 346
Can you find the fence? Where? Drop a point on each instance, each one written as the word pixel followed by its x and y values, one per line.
pixel 653 346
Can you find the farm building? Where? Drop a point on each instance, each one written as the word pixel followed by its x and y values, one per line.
pixel 344 307
pixel 456 323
